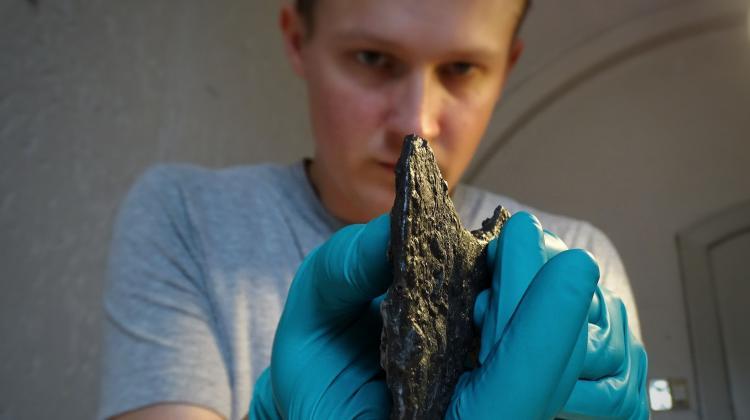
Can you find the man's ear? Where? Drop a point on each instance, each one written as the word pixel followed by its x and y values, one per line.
pixel 293 31
pixel 515 53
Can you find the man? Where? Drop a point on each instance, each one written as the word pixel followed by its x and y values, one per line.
pixel 202 261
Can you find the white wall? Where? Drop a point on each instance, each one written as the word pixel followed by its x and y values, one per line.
pixel 92 92
pixel 644 131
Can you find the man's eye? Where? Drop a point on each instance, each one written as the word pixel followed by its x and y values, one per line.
pixel 372 59
pixel 459 68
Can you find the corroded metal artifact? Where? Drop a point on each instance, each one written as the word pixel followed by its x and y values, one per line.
pixel 438 270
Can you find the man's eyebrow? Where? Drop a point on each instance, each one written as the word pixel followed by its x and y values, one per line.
pixel 361 35
pixel 478 52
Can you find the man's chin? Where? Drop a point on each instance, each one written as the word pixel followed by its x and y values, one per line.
pixel 379 201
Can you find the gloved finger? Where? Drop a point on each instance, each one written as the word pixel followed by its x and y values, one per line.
pixel 348 361
pixel 617 397
pixel 359 376
pixel 351 268
pixel 373 322
pixel 606 349
pixel 262 405
pixel 553 245
pixel 537 345
pixel 570 375
pixel 518 256
pixel 576 362
pixel 362 379
pixel 480 308
pixel 371 401
pixel 595 310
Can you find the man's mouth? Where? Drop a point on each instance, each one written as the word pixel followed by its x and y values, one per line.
pixel 388 166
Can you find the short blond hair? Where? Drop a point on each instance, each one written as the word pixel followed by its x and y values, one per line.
pixel 306 9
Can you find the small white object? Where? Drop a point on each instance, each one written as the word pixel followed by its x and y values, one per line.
pixel 660 395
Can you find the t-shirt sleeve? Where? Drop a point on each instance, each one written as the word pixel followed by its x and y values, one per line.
pixel 160 340
pixel 613 274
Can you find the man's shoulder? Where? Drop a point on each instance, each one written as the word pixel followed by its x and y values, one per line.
pixel 165 176
pixel 213 201
pixel 477 204
pixel 184 185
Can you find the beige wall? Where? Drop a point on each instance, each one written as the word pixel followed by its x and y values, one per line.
pixel 644 132
pixel 92 92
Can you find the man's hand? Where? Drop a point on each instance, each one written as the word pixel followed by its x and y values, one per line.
pixel 553 345
pixel 325 361
pixel 612 382
pixel 170 412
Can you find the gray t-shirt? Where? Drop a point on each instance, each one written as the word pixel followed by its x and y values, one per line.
pixel 200 266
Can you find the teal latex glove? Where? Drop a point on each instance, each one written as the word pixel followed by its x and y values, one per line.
pixel 612 383
pixel 605 370
pixel 535 356
pixel 533 333
pixel 325 361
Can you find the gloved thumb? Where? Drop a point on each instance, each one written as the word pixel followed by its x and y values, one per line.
pixel 536 348
pixel 553 245
pixel 352 268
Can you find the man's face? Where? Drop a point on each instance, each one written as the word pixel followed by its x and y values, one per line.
pixel 377 70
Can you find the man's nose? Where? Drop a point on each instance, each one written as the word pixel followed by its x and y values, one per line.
pixel 415 106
